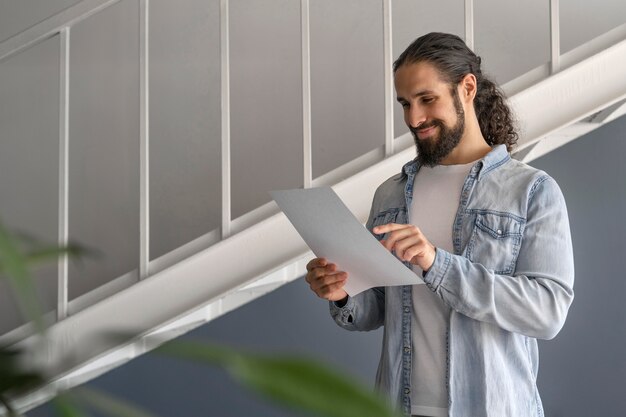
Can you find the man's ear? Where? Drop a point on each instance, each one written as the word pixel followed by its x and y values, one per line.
pixel 468 86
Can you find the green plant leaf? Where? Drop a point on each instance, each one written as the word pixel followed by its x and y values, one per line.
pixel 64 406
pixel 12 378
pixel 46 254
pixel 295 382
pixel 13 265
pixel 108 404
pixel 18 253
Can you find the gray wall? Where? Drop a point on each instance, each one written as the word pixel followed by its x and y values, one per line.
pixel 582 371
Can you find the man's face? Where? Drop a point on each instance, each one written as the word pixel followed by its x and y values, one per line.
pixel 432 111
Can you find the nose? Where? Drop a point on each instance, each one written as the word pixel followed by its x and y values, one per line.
pixel 414 116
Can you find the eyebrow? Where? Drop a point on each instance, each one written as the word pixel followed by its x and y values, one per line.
pixel 418 94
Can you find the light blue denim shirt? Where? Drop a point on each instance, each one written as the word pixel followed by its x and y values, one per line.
pixel 508 282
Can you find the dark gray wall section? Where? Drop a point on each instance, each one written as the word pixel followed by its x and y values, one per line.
pixel 583 371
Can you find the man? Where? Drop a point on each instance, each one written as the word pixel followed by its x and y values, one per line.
pixel 487 236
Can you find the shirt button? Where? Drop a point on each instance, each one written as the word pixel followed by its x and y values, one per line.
pixel 406 309
pixel 407 391
pixel 407 349
pixel 499 232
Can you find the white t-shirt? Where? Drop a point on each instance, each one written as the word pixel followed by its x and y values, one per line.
pixel 436 194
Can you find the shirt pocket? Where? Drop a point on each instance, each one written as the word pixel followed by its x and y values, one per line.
pixel 394 215
pixel 495 241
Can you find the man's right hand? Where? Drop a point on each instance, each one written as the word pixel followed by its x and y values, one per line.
pixel 325 280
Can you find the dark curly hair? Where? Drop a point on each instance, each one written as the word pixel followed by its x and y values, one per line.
pixel 454 60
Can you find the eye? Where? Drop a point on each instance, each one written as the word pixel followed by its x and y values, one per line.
pixel 427 100
pixel 404 104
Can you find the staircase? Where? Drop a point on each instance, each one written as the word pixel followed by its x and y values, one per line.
pixel 556 103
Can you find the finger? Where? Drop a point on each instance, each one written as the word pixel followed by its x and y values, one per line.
pixel 316 263
pixel 327 280
pixel 410 243
pixel 326 270
pixel 329 292
pixel 389 227
pixel 414 252
pixel 401 234
pixel 320 273
pixel 312 275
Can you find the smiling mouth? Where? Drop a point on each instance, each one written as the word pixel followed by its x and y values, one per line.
pixel 424 133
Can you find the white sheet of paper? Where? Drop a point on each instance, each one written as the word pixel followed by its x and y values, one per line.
pixel 332 232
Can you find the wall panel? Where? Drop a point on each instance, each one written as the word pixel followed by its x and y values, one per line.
pixel 412 19
pixel 347 98
pixel 581 21
pixel 104 145
pixel 266 100
pixel 29 160
pixel 185 133
pixel 512 38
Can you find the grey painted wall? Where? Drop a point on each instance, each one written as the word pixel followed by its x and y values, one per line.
pixel 582 371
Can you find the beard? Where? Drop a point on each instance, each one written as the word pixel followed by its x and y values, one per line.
pixel 431 151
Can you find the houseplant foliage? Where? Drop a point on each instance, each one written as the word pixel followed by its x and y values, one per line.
pixel 297 383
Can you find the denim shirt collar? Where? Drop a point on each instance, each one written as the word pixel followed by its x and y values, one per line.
pixel 496 157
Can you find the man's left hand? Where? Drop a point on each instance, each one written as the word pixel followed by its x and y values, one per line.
pixel 409 244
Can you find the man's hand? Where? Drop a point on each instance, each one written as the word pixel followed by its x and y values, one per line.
pixel 325 280
pixel 409 243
